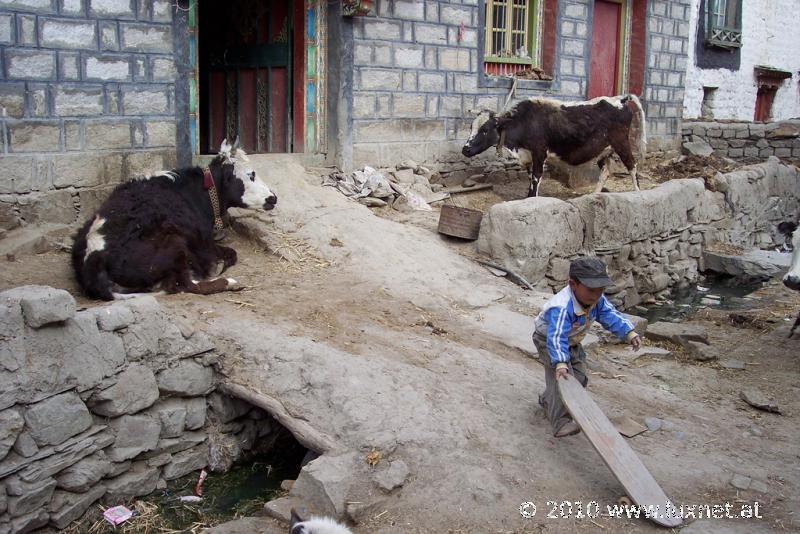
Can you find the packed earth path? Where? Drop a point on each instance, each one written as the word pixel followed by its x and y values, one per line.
pixel 386 344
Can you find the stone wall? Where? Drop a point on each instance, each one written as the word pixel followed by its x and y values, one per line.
pixel 87 98
pixel 418 77
pixel 105 404
pixel 652 241
pixel 743 140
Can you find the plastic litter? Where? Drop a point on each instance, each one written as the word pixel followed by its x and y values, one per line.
pixel 198 489
pixel 190 498
pixel 117 515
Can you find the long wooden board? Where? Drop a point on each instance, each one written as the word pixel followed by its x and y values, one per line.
pixel 640 485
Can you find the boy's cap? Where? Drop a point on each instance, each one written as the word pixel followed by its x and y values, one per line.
pixel 590 272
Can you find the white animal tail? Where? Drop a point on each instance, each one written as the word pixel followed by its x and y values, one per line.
pixel 642 141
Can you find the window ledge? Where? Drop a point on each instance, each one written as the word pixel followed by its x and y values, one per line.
pixel 506 82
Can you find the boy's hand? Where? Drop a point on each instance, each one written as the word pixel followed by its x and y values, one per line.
pixel 636 342
pixel 561 372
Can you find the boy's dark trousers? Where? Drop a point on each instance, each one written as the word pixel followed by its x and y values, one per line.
pixel 550 399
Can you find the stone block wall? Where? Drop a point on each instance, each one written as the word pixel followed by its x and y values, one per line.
pixel 747 140
pixel 665 72
pixel 86 98
pixel 418 76
pixel 105 404
pixel 652 241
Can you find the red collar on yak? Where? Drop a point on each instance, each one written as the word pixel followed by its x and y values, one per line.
pixel 208 184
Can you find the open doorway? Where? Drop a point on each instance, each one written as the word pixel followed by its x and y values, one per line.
pixel 249 74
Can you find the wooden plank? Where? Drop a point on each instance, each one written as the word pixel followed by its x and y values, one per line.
pixel 640 485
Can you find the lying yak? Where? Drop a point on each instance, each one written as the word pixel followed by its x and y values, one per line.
pixel 158 232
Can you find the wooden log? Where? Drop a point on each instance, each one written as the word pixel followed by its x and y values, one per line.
pixel 302 431
pixel 478 187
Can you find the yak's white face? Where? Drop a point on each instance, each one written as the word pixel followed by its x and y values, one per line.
pixel 792 278
pixel 256 193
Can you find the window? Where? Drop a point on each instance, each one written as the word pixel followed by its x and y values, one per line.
pixel 512 28
pixel 724 23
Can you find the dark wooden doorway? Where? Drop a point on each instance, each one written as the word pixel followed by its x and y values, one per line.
pixel 245 52
pixel 605 53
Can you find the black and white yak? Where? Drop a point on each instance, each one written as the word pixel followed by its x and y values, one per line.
pixel 158 232
pixel 576 133
pixel 792 278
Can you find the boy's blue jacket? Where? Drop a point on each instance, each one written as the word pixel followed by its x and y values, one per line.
pixel 564 322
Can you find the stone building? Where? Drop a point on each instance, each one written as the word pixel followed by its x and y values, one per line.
pixel 95 91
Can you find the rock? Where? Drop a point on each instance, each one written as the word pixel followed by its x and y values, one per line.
pixel 173 445
pixel 117 468
pixel 677 333
pixel 158 461
pixel 469 182
pixel 407 164
pixel 135 390
pixel 185 379
pixel 226 408
pixel 403 176
pixel 42 305
pixel 286 485
pixel 324 483
pixel 757 485
pixel 3 501
pixel 113 317
pixel 372 202
pixel 25 498
pixel 195 413
pixel 732 364
pixel 58 418
pixel 590 341
pixel 280 508
pixel 172 415
pixel 66 507
pixel 754 264
pixel 786 130
pixel 741 482
pixel 393 477
pixel 80 477
pixel 697 147
pixel 639 323
pixel 28 523
pixel 25 446
pixel 140 480
pixel 699 351
pixel 11 423
pixel 506 235
pixel 653 352
pixel 135 434
pixel 653 424
pixel 185 462
pixel 756 399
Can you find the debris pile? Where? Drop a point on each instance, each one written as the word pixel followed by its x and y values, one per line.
pixel 405 187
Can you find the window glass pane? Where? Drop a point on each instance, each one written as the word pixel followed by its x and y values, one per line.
pixel 719 13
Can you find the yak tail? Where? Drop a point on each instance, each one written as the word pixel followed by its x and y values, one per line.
pixel 642 141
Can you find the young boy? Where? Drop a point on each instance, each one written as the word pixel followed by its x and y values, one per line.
pixel 560 327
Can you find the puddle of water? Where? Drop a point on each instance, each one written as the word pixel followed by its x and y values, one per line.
pixel 240 492
pixel 715 291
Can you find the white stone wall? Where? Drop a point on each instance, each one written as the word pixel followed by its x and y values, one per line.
pixel 769 38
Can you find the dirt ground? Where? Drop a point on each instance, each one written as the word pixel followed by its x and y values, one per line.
pixel 710 429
